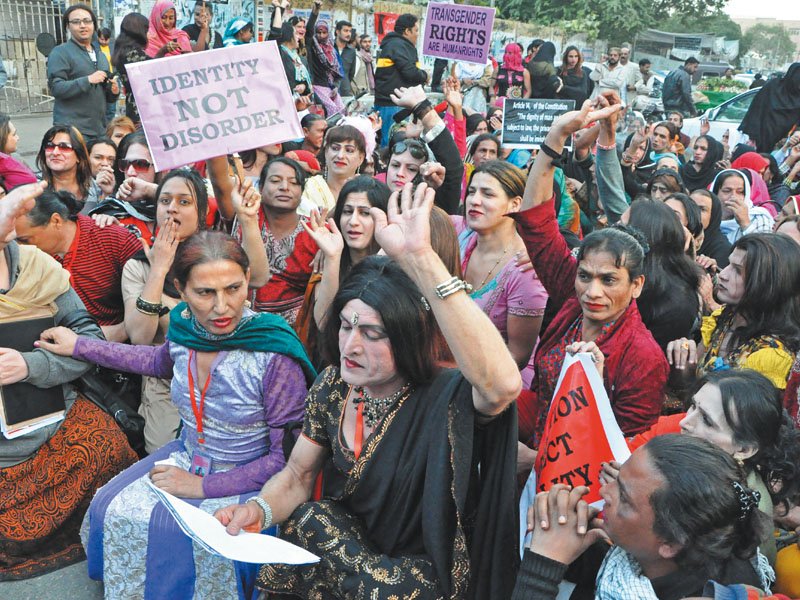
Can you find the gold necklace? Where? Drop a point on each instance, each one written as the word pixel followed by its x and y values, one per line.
pixel 485 279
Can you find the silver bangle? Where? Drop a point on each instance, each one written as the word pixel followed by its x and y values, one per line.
pixel 266 520
pixel 451 286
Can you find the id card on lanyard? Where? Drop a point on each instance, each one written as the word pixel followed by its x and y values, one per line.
pixel 201 460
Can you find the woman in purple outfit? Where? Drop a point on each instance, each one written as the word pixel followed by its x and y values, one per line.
pixel 239 380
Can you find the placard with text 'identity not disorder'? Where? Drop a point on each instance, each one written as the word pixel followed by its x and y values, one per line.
pixel 527 121
pixel 458 32
pixel 205 104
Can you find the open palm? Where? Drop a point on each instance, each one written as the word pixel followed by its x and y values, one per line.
pixel 406 229
pixel 325 233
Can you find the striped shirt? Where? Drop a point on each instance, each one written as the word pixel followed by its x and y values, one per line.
pixel 95 261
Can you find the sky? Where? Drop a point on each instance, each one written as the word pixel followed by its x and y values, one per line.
pixel 779 9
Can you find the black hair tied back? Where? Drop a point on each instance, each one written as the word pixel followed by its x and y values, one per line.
pixel 634 233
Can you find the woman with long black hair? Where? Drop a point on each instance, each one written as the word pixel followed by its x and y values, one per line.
pixel 129 48
pixel 669 302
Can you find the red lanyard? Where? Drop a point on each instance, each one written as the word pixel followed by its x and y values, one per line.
pixel 358 442
pixel 197 410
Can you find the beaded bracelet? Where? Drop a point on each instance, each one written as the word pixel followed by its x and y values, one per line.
pixel 609 147
pixel 150 309
pixel 266 521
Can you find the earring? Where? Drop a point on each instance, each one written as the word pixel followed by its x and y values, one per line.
pixel 325 172
pixel 247 304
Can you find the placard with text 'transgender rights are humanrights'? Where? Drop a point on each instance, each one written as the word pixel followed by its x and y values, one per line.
pixel 527 121
pixel 458 32
pixel 205 104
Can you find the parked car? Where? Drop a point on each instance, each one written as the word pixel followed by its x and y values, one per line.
pixel 725 117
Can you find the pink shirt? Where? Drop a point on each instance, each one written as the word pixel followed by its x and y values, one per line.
pixel 509 292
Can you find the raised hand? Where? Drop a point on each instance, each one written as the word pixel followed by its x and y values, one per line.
pixel 433 173
pixel 105 180
pixel 705 126
pixel 246 200
pixel 575 120
pixel 406 229
pixel 16 203
pixel 162 253
pixel 452 92
pixel 133 189
pixel 409 97
pixel 325 233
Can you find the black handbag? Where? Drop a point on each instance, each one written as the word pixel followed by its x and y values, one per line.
pixel 119 394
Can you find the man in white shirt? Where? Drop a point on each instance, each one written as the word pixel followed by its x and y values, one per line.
pixel 610 75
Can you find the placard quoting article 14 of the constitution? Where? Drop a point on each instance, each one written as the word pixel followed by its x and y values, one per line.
pixel 527 121
pixel 205 104
pixel 458 32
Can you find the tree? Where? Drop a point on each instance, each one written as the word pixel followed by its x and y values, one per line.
pixel 620 20
pixel 717 23
pixel 770 41
pixel 617 20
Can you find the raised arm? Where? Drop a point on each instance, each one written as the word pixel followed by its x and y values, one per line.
pixel 477 346
pixel 441 143
pixel 536 221
pixel 142 327
pixel 242 200
pixel 610 184
pixel 329 240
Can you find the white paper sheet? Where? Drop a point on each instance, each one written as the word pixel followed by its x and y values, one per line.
pixel 245 547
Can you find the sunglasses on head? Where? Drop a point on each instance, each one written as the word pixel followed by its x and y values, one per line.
pixel 138 164
pixel 63 146
pixel 416 149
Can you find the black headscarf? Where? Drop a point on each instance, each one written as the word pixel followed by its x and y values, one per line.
pixel 546 53
pixel 715 244
pixel 774 110
pixel 694 179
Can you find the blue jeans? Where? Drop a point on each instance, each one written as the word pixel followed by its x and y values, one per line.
pixel 386 113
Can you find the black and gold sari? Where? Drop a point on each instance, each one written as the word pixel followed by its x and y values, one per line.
pixel 427 511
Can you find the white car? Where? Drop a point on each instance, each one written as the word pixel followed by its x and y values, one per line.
pixel 725 117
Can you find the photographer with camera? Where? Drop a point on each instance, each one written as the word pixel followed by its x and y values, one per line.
pixel 81 87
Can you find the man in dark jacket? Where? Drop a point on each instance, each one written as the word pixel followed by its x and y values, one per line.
pixel 344 30
pixel 677 90
pixel 78 76
pixel 398 66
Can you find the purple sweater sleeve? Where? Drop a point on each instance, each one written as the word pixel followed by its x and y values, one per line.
pixel 153 361
pixel 284 394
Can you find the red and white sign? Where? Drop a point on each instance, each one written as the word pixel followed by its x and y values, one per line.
pixel 581 431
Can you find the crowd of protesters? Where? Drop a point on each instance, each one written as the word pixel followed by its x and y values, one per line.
pixel 355 336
